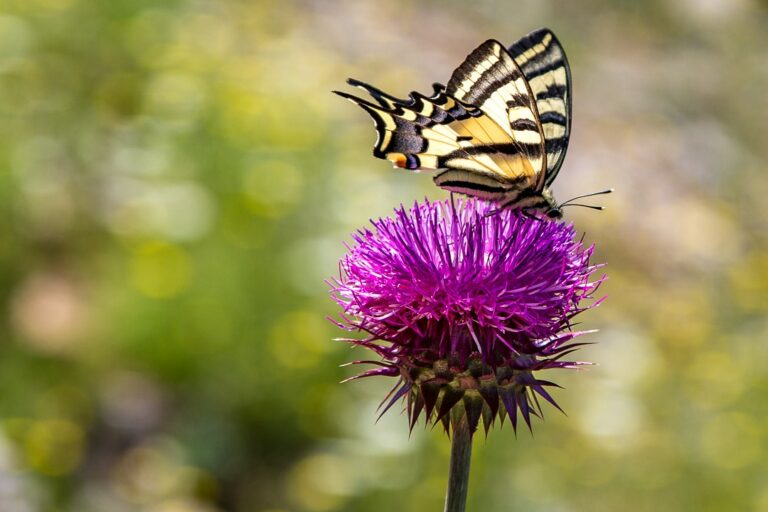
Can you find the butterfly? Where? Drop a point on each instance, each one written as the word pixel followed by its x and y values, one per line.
pixel 498 130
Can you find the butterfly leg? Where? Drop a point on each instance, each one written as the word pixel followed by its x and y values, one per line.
pixel 494 211
pixel 529 214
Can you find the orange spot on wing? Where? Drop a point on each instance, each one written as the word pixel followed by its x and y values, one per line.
pixel 397 159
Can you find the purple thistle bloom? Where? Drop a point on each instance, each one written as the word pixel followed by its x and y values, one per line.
pixel 464 303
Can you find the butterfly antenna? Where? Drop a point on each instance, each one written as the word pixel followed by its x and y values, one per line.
pixel 606 191
pixel 584 206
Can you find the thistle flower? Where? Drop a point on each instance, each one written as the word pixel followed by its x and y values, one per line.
pixel 465 305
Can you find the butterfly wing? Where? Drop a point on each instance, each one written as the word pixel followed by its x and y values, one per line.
pixel 542 60
pixel 491 81
pixel 484 128
pixel 439 132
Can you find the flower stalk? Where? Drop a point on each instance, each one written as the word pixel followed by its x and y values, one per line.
pixel 458 472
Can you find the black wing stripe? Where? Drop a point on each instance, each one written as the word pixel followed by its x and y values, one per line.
pixel 414 97
pixel 486 85
pixel 555 91
pixel 527 42
pixel 472 183
pixel 518 101
pixel 541 70
pixel 466 185
pixel 384 99
pixel 458 112
pixel 439 116
pixel 523 124
pixel 429 111
pixel 511 148
pixel 555 145
pixel 553 117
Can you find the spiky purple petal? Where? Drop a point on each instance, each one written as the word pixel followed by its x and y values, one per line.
pixel 464 302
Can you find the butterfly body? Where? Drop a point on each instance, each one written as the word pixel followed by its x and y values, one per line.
pixel 498 130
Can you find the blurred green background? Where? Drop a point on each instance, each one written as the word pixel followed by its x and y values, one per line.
pixel 177 181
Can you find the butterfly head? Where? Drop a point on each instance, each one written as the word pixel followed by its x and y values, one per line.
pixel 550 206
pixel 555 214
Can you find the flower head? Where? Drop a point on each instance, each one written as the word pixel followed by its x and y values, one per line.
pixel 464 303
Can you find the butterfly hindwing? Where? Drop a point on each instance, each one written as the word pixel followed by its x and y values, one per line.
pixel 542 60
pixel 482 185
pixel 439 132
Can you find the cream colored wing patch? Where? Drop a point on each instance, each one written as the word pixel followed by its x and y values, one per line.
pixel 542 61
pixel 490 80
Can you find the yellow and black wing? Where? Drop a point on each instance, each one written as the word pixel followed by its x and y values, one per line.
pixel 491 81
pixel 483 153
pixel 542 60
pixel 439 132
pixel 483 130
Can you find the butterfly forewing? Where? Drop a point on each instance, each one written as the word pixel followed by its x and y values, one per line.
pixel 490 80
pixel 542 61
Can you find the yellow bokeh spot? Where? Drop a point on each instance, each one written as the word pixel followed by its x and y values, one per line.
pixel 313 404
pixel 749 282
pixel 160 270
pixel 241 112
pixel 426 493
pixel 685 320
pixel 16 428
pixel 175 95
pixel 273 187
pixel 53 447
pixel 299 339
pixel 731 441
pixel 217 37
pixel 761 501
pixel 52 5
pixel 309 482
pixel 180 504
pixel 247 115
pixel 146 473
pixel 713 379
pixel 15 37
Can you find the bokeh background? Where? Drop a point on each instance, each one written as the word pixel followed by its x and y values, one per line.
pixel 177 182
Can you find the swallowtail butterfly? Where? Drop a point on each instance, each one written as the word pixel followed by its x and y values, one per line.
pixel 497 131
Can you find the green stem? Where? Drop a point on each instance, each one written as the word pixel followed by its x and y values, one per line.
pixel 458 474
